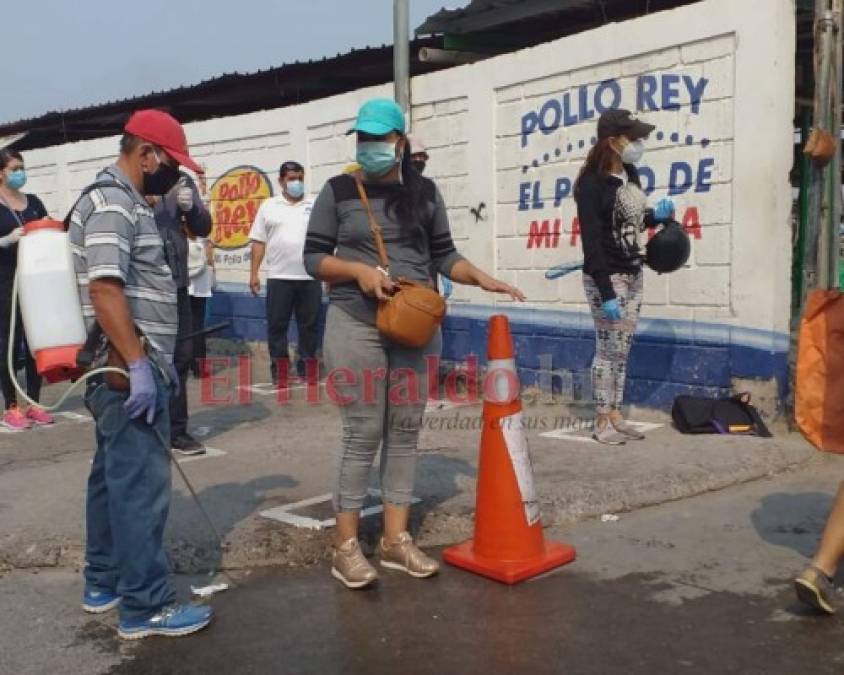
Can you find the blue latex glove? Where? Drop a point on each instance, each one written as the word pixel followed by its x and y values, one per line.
pixel 143 394
pixel 664 210
pixel 447 287
pixel 612 310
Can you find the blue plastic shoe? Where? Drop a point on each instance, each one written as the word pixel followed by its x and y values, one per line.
pixel 171 621
pixel 95 602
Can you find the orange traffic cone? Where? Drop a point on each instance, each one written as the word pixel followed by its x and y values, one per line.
pixel 508 545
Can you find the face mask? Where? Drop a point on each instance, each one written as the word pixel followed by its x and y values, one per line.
pixel 162 180
pixel 376 157
pixel 419 166
pixel 295 188
pixel 16 179
pixel 633 151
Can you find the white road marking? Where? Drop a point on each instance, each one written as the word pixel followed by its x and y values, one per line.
pixel 571 434
pixel 283 514
pixel 208 454
pixel 438 405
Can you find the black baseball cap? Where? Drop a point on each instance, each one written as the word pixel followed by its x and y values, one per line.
pixel 621 122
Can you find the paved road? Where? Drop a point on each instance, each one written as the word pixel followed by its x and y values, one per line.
pixel 698 585
pixel 268 455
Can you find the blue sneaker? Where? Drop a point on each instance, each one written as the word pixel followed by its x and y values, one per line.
pixel 171 621
pixel 95 602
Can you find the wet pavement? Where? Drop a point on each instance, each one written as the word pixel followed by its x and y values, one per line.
pixel 697 585
pixel 567 622
pixel 700 585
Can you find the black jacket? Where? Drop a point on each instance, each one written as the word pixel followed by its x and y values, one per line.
pixel 170 220
pixel 609 221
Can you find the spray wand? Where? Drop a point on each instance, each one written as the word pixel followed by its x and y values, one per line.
pixel 99 371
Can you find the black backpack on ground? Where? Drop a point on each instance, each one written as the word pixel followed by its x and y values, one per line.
pixel 702 415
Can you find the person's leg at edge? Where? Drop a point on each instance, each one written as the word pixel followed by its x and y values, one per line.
pixel 137 473
pixel 137 478
pixel 406 399
pixel 35 413
pixel 101 572
pixel 13 417
pixel 33 379
pixel 603 380
pixel 182 359
pixel 831 548
pixel 197 311
pixel 307 303
pixel 815 586
pixel 279 311
pixel 630 290
pixel 9 394
pixel 357 349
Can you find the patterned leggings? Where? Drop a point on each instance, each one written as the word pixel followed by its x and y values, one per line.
pixel 613 338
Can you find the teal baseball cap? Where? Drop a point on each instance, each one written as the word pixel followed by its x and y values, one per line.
pixel 379 116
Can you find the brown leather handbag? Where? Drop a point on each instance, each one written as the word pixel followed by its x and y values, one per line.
pixel 415 310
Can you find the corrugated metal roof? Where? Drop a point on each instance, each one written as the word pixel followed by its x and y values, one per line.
pixel 562 17
pixel 481 15
pixel 228 94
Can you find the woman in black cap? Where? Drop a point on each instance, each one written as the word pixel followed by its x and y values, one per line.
pixel 612 209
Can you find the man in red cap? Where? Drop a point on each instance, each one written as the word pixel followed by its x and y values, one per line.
pixel 127 288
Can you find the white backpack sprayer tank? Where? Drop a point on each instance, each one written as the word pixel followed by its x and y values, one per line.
pixel 49 299
pixel 45 285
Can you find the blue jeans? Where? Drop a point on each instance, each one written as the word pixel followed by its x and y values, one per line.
pixel 127 504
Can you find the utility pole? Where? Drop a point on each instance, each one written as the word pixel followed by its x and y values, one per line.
pixel 833 237
pixel 401 54
pixel 821 198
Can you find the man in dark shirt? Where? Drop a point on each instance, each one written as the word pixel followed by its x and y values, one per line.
pixel 178 213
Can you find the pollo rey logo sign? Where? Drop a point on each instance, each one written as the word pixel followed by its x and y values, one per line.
pixel 235 198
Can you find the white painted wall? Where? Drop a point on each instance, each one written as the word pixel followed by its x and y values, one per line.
pixel 471 120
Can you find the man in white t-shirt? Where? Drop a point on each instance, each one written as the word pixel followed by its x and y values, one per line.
pixel 278 235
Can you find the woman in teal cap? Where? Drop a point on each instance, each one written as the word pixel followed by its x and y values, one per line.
pixel 383 391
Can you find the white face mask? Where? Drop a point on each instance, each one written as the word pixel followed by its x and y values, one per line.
pixel 633 151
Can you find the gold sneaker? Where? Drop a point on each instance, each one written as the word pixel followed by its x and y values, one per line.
pixel 404 555
pixel 815 589
pixel 351 567
pixel 624 427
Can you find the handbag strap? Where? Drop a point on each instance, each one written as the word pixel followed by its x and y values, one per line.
pixel 14 213
pixel 374 226
pixel 743 399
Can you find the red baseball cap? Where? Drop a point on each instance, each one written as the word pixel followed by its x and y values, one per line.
pixel 165 131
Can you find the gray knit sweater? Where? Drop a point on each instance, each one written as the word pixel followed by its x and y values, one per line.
pixel 339 226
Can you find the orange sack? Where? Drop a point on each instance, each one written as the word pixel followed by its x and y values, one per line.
pixel 819 384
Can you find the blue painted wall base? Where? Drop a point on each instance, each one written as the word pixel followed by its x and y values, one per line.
pixel 668 358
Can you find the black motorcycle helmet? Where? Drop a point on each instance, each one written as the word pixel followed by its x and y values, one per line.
pixel 669 249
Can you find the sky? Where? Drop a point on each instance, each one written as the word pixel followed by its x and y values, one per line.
pixel 63 54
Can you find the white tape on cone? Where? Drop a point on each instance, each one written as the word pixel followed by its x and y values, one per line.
pixel 501 384
pixel 517 446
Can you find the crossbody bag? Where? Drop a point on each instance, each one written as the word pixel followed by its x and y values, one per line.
pixel 415 311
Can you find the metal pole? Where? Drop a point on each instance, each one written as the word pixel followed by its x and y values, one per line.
pixel 818 195
pixel 401 53
pixel 803 216
pixel 823 118
pixel 833 237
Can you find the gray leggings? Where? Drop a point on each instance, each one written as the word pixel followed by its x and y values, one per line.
pixel 381 389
